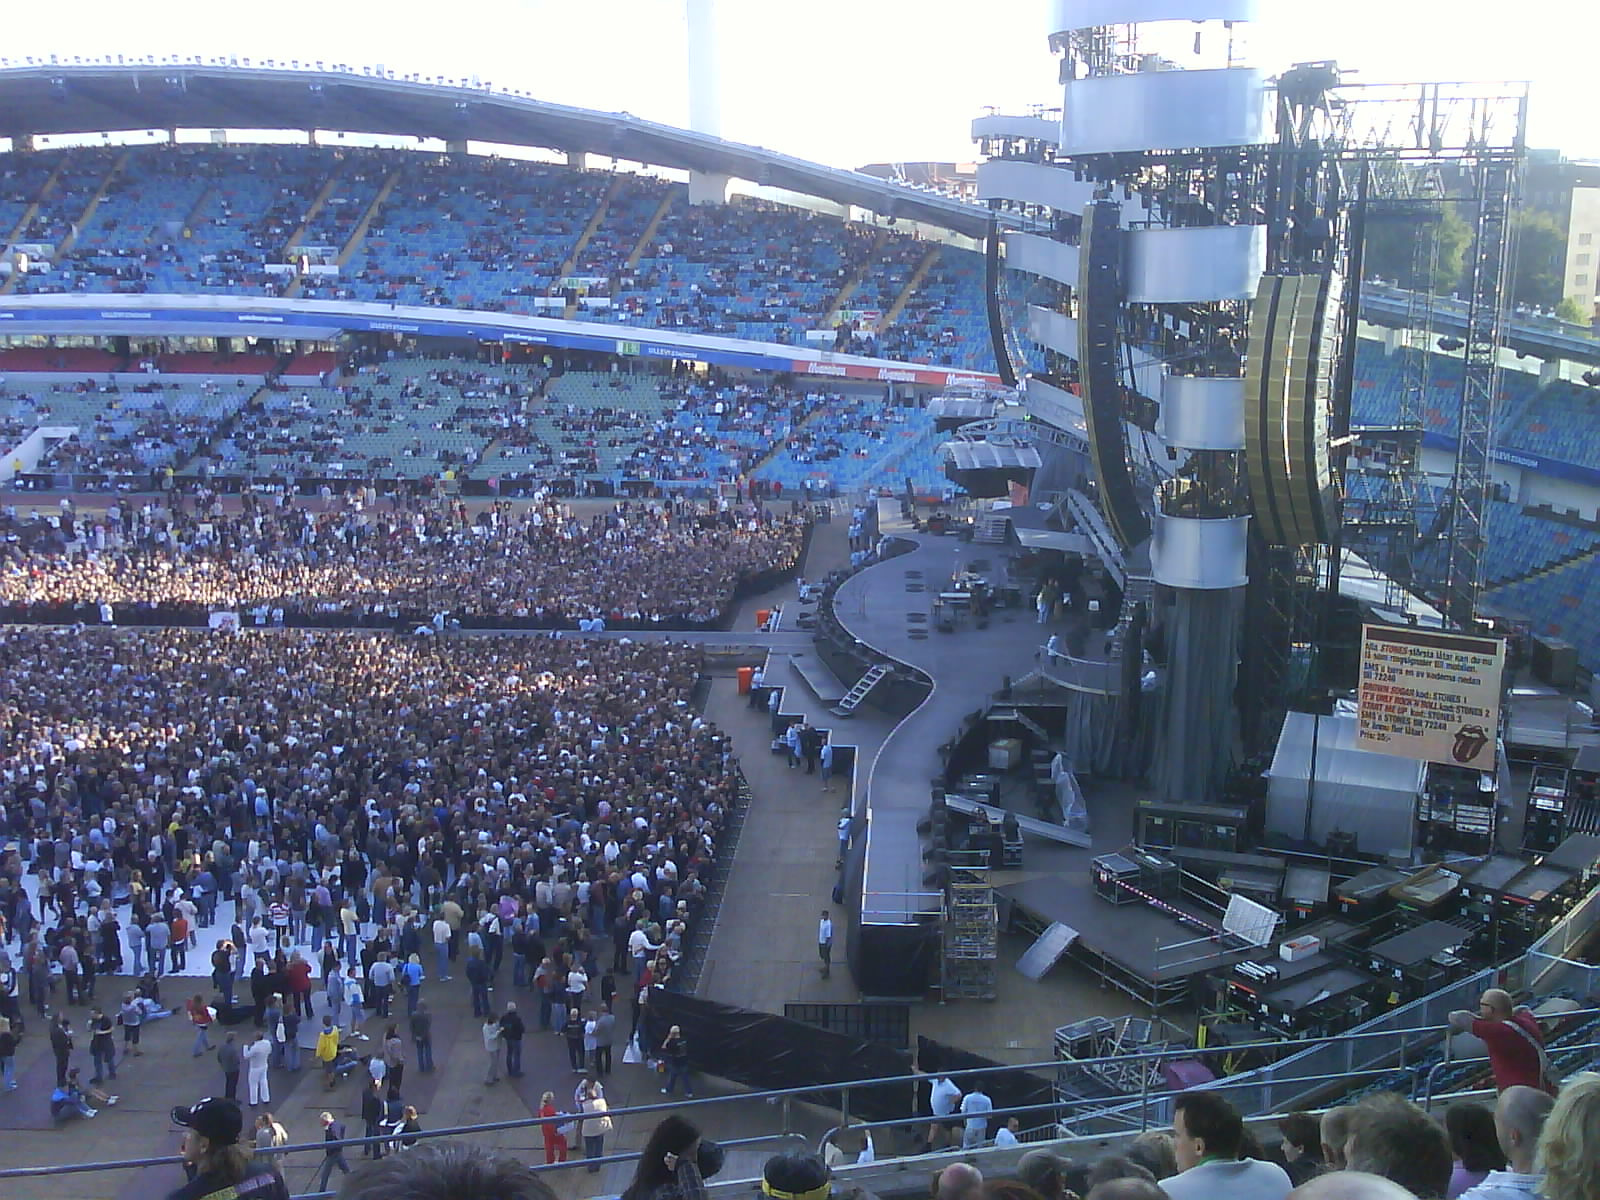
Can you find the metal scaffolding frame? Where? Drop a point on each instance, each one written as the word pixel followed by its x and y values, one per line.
pixel 1495 178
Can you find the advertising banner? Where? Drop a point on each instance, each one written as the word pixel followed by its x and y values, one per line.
pixel 1429 695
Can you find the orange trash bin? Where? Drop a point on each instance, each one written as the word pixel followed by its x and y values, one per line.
pixel 763 615
pixel 747 678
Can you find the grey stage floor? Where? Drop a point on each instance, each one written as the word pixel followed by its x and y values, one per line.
pixel 890 608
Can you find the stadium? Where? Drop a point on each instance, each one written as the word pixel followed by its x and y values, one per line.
pixel 972 673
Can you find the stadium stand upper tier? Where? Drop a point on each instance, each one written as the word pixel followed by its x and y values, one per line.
pixel 1555 420
pixel 1541 565
pixel 487 234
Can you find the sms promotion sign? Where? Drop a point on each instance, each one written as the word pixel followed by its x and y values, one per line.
pixel 1430 696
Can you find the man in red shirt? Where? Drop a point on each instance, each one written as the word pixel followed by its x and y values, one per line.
pixel 1514 1039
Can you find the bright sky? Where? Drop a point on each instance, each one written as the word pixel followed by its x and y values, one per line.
pixel 845 81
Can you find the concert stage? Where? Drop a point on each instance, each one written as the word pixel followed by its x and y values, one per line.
pixel 1150 953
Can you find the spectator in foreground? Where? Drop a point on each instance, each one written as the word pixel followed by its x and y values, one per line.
pixel 958 1181
pixel 1515 1041
pixel 668 1168
pixel 1045 1172
pixel 1111 1167
pixel 1392 1137
pixel 1350 1185
pixel 1301 1140
pixel 221 1165
pixel 1152 1150
pixel 1335 1133
pixel 1129 1187
pixel 796 1176
pixel 1207 1135
pixel 1569 1145
pixel 445 1171
pixel 1519 1118
pixel 1475 1143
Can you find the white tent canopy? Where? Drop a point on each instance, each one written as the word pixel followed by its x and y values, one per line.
pixel 1356 791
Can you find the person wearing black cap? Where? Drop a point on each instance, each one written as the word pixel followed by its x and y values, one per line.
pixel 221 1166
pixel 796 1176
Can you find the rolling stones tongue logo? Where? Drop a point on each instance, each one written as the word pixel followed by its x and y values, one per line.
pixel 1469 743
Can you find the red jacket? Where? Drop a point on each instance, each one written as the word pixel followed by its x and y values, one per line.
pixel 1513 1057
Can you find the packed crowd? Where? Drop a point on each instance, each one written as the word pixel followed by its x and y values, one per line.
pixel 356 804
pixel 328 783
pixel 651 565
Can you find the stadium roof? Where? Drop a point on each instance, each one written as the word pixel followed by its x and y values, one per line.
pixel 115 97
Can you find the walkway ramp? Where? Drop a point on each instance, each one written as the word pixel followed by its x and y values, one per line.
pixel 1046 950
pixel 1028 825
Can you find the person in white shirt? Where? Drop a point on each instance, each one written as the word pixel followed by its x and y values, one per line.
pixel 1207 1135
pixel 976 1107
pixel 441 946
pixel 825 941
pixel 1007 1133
pixel 256 1057
pixel 942 1100
pixel 1519 1118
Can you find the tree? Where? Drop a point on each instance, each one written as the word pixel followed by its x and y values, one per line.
pixel 1541 260
pixel 1391 238
pixel 1570 310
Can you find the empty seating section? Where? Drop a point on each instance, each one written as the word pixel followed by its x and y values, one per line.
pixel 145 209
pixel 945 322
pixel 1529 418
pixel 627 217
pixel 194 218
pixel 76 360
pixel 852 440
pixel 745 269
pixel 123 430
pixel 21 179
pixel 1563 422
pixel 1557 603
pixel 586 425
pixel 79 179
pixel 1520 543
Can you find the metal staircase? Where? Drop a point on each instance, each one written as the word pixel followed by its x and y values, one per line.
pixel 993 529
pixel 1018 717
pixel 1138 589
pixel 1090 520
pixel 853 698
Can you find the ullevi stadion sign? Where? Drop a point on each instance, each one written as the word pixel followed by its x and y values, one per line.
pixel 1430 696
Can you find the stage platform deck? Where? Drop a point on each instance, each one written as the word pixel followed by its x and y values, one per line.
pixel 824 685
pixel 889 607
pixel 1137 938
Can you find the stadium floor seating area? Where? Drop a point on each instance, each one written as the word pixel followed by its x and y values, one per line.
pixel 123 431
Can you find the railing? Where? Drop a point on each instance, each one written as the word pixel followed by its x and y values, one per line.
pixel 1152 1108
pixel 1099 676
